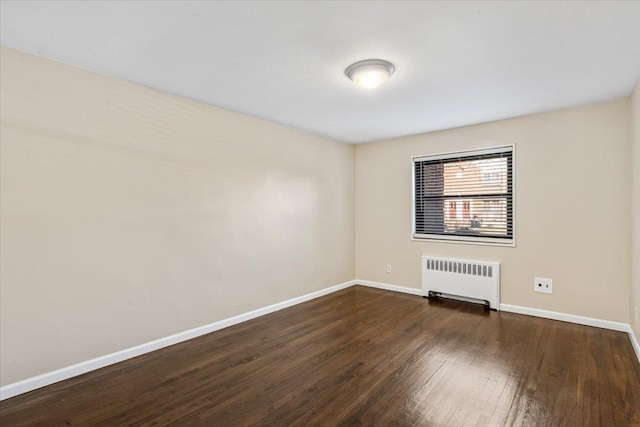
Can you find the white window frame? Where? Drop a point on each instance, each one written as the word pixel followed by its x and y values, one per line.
pixel 469 240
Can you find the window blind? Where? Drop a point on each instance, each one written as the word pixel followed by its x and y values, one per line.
pixel 465 196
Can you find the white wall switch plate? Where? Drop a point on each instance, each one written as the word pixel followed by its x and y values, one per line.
pixel 540 284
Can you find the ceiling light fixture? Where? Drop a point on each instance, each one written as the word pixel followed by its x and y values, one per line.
pixel 370 74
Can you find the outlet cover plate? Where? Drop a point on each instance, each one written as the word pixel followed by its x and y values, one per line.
pixel 541 284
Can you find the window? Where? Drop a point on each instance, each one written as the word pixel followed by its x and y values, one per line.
pixel 465 196
pixel 490 178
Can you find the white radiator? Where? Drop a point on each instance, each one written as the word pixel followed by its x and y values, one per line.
pixel 478 280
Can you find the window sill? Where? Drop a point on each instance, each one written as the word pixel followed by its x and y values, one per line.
pixel 464 241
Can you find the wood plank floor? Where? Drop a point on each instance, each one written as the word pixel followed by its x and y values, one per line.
pixel 361 357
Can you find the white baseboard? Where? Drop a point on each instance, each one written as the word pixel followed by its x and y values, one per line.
pixel 388 287
pixel 634 342
pixel 24 386
pixel 564 317
pixel 554 315
pixel 581 320
pixel 48 378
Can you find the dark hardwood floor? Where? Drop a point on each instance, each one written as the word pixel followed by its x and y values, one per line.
pixel 361 357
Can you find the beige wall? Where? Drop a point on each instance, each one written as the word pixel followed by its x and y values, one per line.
pixel 572 209
pixel 635 211
pixel 129 214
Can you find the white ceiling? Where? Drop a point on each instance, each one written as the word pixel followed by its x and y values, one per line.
pixel 457 63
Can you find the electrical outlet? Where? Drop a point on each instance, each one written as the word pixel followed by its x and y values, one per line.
pixel 540 284
pixel 388 268
pixel 636 310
